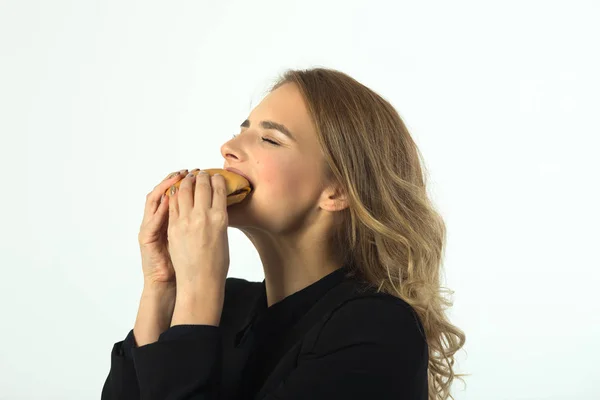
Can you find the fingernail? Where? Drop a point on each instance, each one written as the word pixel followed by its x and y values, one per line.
pixel 173 189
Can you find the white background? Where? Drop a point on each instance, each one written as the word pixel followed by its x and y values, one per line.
pixel 99 100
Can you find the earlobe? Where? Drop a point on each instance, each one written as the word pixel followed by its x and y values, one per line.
pixel 341 204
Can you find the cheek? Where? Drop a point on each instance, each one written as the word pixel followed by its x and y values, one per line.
pixel 274 184
pixel 280 178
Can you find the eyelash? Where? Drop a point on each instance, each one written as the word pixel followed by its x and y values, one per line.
pixel 264 140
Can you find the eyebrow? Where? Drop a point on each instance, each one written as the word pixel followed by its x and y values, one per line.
pixel 271 125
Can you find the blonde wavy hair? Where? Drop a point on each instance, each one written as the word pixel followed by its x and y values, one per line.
pixel 390 230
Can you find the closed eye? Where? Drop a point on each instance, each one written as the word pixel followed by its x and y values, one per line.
pixel 270 141
pixel 264 140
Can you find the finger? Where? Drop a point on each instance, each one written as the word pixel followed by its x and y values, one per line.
pixel 157 220
pixel 219 199
pixel 203 192
pixel 153 198
pixel 173 207
pixel 185 201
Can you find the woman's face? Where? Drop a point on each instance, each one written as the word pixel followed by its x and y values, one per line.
pixel 286 175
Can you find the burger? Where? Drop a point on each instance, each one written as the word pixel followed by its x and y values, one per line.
pixel 237 187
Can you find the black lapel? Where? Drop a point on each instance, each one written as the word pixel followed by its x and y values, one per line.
pixel 319 311
pixel 235 348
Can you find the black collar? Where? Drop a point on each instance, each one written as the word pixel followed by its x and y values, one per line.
pixel 273 322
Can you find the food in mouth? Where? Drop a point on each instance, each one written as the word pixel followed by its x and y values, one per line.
pixel 237 187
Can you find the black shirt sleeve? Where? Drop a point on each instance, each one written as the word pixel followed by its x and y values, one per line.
pixel 121 382
pixel 184 361
pixel 128 345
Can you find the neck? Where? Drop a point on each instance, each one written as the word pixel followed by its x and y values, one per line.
pixel 282 282
pixel 291 266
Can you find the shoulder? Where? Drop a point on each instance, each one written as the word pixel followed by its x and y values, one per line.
pixel 371 327
pixel 376 316
pixel 370 346
pixel 235 285
pixel 240 290
pixel 376 334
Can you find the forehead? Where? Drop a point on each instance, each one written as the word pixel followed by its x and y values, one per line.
pixel 286 106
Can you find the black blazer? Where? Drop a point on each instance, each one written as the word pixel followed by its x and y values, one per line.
pixel 335 339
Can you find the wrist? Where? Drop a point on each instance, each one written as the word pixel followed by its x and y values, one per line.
pixel 198 305
pixel 162 299
pixel 154 313
pixel 151 286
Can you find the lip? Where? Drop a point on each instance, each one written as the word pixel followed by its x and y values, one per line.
pixel 237 171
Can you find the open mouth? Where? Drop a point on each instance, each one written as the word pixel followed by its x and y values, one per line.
pixel 239 191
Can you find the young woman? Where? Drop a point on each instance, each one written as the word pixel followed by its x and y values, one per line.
pixel 351 305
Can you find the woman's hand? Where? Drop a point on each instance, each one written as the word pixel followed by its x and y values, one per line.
pixel 156 261
pixel 197 228
pixel 158 295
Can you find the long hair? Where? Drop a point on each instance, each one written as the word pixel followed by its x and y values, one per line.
pixel 390 231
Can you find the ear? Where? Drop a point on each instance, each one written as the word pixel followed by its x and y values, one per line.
pixel 334 199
